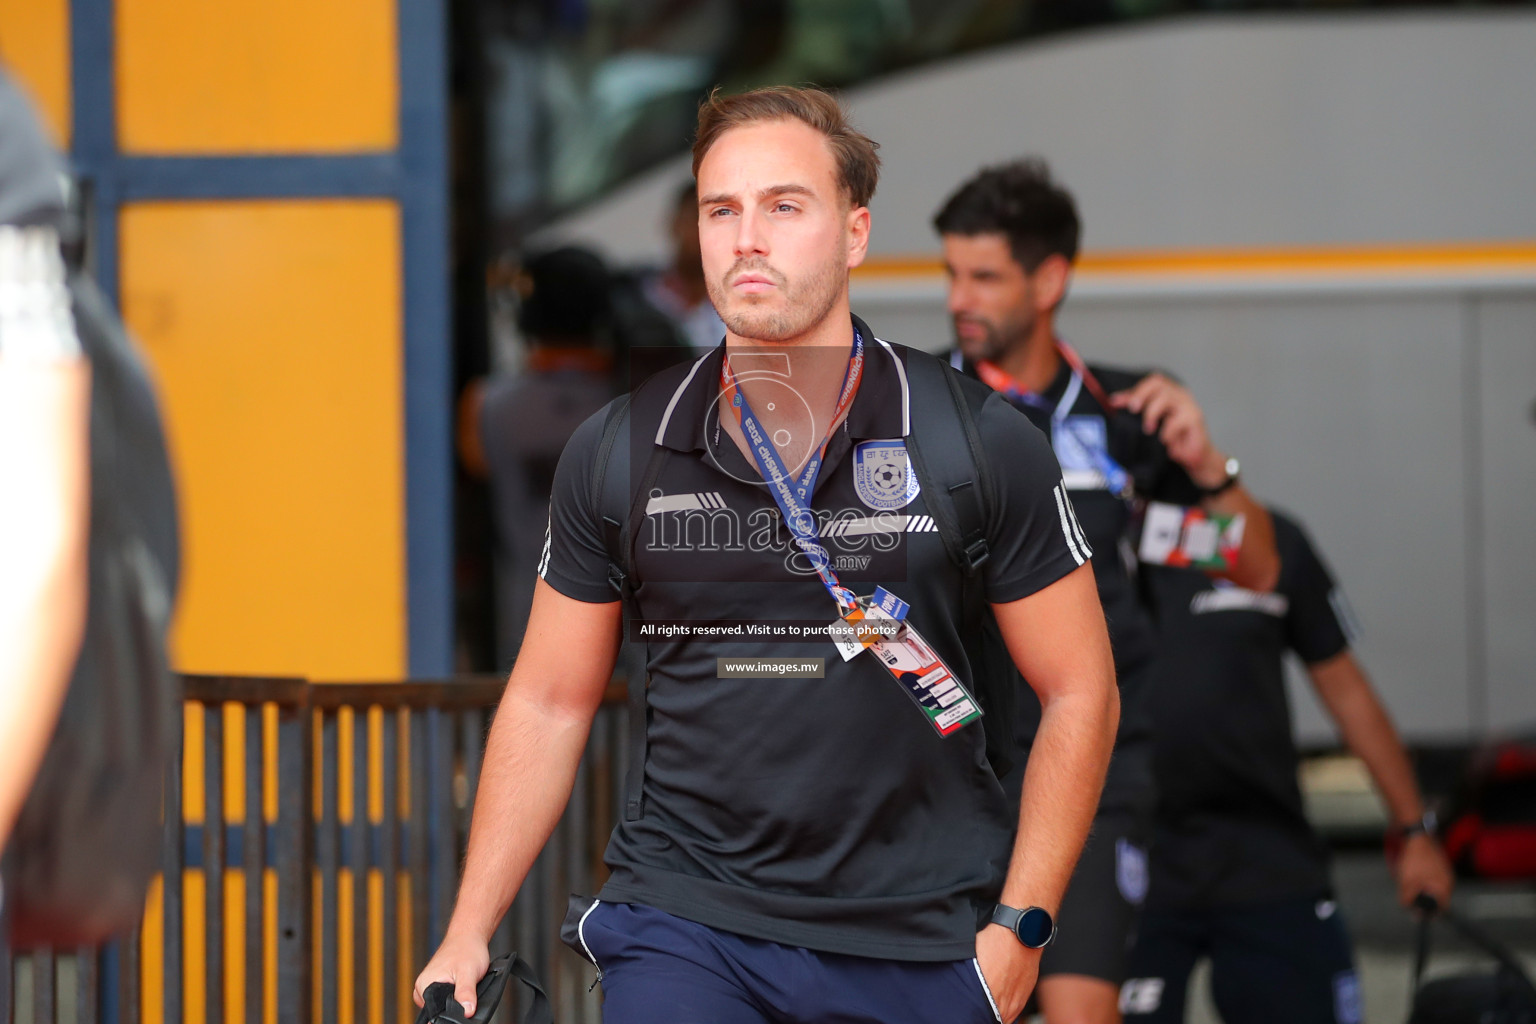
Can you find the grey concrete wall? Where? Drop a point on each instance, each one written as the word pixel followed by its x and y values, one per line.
pixel 1502 367
pixel 1237 131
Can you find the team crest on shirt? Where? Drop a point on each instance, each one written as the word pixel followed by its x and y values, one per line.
pixel 882 475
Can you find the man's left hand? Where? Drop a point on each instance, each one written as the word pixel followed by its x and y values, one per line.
pixel 1168 410
pixel 1009 967
pixel 1422 867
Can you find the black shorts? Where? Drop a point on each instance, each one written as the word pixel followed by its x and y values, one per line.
pixel 1098 914
pixel 1278 963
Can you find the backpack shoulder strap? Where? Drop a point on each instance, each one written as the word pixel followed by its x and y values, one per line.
pixel 952 466
pixel 622 512
pixel 607 490
pixel 950 461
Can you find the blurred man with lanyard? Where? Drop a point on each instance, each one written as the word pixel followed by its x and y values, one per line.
pixel 801 849
pixel 1010 236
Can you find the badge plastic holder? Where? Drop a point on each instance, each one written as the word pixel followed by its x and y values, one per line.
pixel 934 688
pixel 1187 537
pixel 439 1006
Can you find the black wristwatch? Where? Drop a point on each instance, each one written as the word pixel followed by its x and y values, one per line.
pixel 1233 470
pixel 1032 926
pixel 1428 825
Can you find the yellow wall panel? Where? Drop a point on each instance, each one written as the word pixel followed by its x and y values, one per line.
pixel 256 76
pixel 275 331
pixel 34 44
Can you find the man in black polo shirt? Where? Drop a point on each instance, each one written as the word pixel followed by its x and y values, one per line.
pixel 1237 872
pixel 1010 236
pixel 802 849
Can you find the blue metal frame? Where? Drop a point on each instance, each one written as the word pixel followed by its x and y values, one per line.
pixel 423 194
pixel 415 176
pixel 259 177
pixel 93 131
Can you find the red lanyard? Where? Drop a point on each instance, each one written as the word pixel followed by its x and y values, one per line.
pixel 793 495
pixel 998 379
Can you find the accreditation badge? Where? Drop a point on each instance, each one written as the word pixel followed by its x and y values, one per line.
pixel 1081 444
pixel 1180 536
pixel 879 626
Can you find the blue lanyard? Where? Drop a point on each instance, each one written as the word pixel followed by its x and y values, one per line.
pixel 793 496
pixel 1116 479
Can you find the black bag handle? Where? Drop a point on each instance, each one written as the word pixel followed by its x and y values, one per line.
pixel 1429 909
pixel 439 1006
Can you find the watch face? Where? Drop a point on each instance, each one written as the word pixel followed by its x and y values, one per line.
pixel 1035 928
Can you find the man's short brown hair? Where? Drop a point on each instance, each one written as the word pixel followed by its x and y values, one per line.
pixel 858 166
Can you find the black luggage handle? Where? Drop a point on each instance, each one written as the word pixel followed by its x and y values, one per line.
pixel 1429 909
pixel 439 1006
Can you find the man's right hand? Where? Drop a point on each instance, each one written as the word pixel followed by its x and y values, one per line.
pixel 1421 867
pixel 462 960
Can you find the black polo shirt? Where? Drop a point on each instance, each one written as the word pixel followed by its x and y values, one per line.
pixel 1230 828
pixel 1106 519
pixel 825 813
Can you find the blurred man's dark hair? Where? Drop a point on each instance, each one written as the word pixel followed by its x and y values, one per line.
pixel 686 198
pixel 683 230
pixel 564 297
pixel 1019 201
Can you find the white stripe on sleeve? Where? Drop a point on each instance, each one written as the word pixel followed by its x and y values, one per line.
pixel 1082 539
pixel 1066 527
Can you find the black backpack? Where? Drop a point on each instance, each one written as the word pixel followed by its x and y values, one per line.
pixel 952 467
pixel 1504 995
pixel 88 838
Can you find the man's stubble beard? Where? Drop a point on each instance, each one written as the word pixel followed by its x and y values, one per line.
pixel 805 302
pixel 999 339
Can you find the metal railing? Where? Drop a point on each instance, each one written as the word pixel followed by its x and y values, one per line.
pixel 351 803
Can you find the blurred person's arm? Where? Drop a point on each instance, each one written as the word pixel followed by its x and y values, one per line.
pixel 1169 411
pixel 44 511
pixel 1345 691
pixel 531 755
